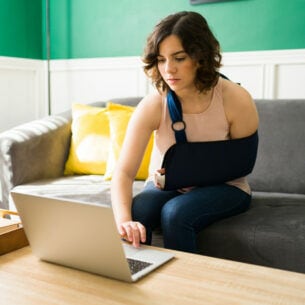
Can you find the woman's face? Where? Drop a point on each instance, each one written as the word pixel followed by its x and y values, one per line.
pixel 176 67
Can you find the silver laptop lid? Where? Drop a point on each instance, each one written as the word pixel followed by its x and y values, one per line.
pixel 73 234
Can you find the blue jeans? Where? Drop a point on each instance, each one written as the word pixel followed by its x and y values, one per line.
pixel 183 215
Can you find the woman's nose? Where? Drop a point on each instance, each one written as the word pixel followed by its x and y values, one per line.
pixel 170 67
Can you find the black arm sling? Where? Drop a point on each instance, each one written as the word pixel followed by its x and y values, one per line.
pixel 204 163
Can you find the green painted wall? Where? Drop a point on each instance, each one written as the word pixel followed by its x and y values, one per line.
pixel 21 28
pixel 103 28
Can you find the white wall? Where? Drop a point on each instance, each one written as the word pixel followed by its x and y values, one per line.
pixel 268 74
pixel 91 80
pixel 23 83
pixel 22 90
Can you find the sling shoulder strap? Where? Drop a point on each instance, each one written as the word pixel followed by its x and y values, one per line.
pixel 175 111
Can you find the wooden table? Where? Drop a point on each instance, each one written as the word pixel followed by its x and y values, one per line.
pixel 188 279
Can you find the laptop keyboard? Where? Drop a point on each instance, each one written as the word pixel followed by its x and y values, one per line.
pixel 136 265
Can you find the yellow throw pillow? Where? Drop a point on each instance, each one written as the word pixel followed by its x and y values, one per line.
pixel 90 141
pixel 119 116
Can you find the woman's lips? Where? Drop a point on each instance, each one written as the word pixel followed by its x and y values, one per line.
pixel 172 81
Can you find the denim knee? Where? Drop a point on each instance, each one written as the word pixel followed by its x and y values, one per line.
pixel 171 216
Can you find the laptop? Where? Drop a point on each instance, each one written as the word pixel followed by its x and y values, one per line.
pixel 83 236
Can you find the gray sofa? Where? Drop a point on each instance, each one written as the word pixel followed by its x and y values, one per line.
pixel 270 233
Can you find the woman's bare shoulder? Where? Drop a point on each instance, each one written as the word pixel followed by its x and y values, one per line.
pixel 153 98
pixel 151 103
pixel 240 109
pixel 235 93
pixel 149 110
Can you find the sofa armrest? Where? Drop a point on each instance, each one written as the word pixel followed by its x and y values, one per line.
pixel 33 151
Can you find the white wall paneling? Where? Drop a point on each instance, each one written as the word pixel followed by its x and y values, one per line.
pixel 91 80
pixel 268 74
pixel 23 94
pixel 23 82
pixel 290 80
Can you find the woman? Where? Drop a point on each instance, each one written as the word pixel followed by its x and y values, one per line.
pixel 183 55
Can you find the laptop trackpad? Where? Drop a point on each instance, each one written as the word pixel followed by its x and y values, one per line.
pixel 146 254
pixel 131 251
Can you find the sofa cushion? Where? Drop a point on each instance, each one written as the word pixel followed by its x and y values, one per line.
pixel 87 188
pixel 270 233
pixel 119 116
pixel 90 139
pixel 280 164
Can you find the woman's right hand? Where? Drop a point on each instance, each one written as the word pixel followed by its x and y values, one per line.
pixel 133 232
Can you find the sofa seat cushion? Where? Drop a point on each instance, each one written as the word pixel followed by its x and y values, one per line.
pixel 270 233
pixel 88 188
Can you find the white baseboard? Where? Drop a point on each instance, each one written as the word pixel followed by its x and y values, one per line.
pixel 24 90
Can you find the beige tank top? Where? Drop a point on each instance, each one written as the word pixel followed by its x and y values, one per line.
pixel 210 125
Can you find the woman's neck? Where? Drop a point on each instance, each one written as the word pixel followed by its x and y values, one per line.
pixel 195 101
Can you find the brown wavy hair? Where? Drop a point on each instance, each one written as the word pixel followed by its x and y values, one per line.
pixel 198 42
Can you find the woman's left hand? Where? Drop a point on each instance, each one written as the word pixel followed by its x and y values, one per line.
pixel 159 178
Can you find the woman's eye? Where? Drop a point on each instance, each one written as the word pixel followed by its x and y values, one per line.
pixel 180 58
pixel 161 60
